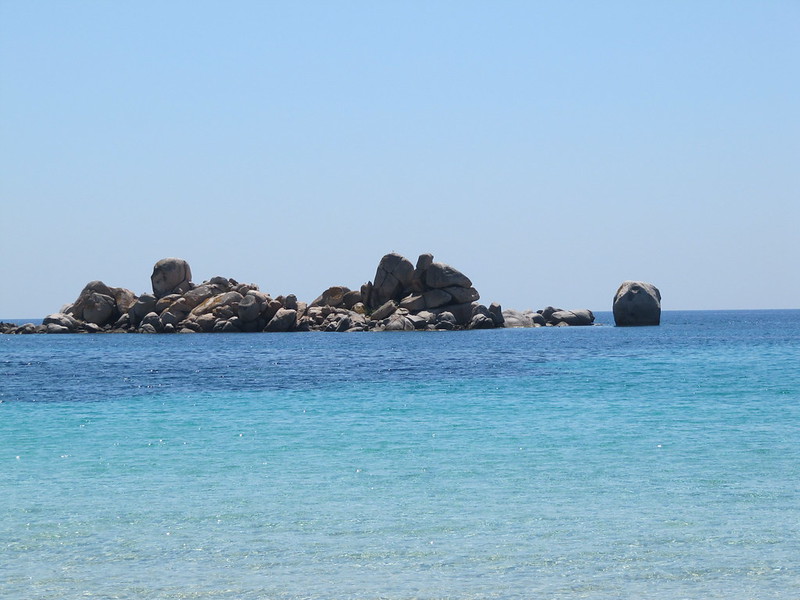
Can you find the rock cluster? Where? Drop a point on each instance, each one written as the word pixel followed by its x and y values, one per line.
pixel 637 303
pixel 547 317
pixel 402 297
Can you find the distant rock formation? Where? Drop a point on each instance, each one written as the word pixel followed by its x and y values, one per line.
pixel 401 297
pixel 548 317
pixel 637 303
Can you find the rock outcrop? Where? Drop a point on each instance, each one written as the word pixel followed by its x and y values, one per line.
pixel 548 317
pixel 100 304
pixel 402 297
pixel 637 303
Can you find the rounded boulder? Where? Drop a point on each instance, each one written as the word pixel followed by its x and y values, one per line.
pixel 171 276
pixel 637 303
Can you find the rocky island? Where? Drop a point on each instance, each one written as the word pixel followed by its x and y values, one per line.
pixel 402 296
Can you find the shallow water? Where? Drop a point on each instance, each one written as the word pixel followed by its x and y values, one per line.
pixel 590 463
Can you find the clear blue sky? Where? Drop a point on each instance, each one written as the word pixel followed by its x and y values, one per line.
pixel 549 150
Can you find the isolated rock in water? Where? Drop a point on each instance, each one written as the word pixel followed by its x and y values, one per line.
pixel 440 275
pixel 637 303
pixel 171 276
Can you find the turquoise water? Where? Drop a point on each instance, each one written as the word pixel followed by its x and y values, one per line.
pixel 593 463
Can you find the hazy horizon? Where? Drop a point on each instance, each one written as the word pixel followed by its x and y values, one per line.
pixel 549 152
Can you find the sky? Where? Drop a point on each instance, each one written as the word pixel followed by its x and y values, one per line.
pixel 549 150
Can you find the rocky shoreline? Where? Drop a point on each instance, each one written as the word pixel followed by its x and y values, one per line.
pixel 428 296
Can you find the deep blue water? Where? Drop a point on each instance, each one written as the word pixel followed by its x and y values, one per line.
pixel 595 462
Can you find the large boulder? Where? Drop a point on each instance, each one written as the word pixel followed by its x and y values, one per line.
pixel 99 309
pixel 124 299
pixel 637 303
pixel 384 310
pixel 515 318
pixel 171 276
pixel 430 299
pixel 203 292
pixel 100 304
pixel 400 323
pixel 440 275
pixel 250 308
pixel 333 296
pixel 392 278
pixel 461 312
pixel 284 320
pixel 229 299
pixel 527 318
pixel 496 313
pixel 145 304
pixel 418 277
pixel 462 294
pixel 61 323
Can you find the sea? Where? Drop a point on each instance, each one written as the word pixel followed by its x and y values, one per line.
pixel 655 463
